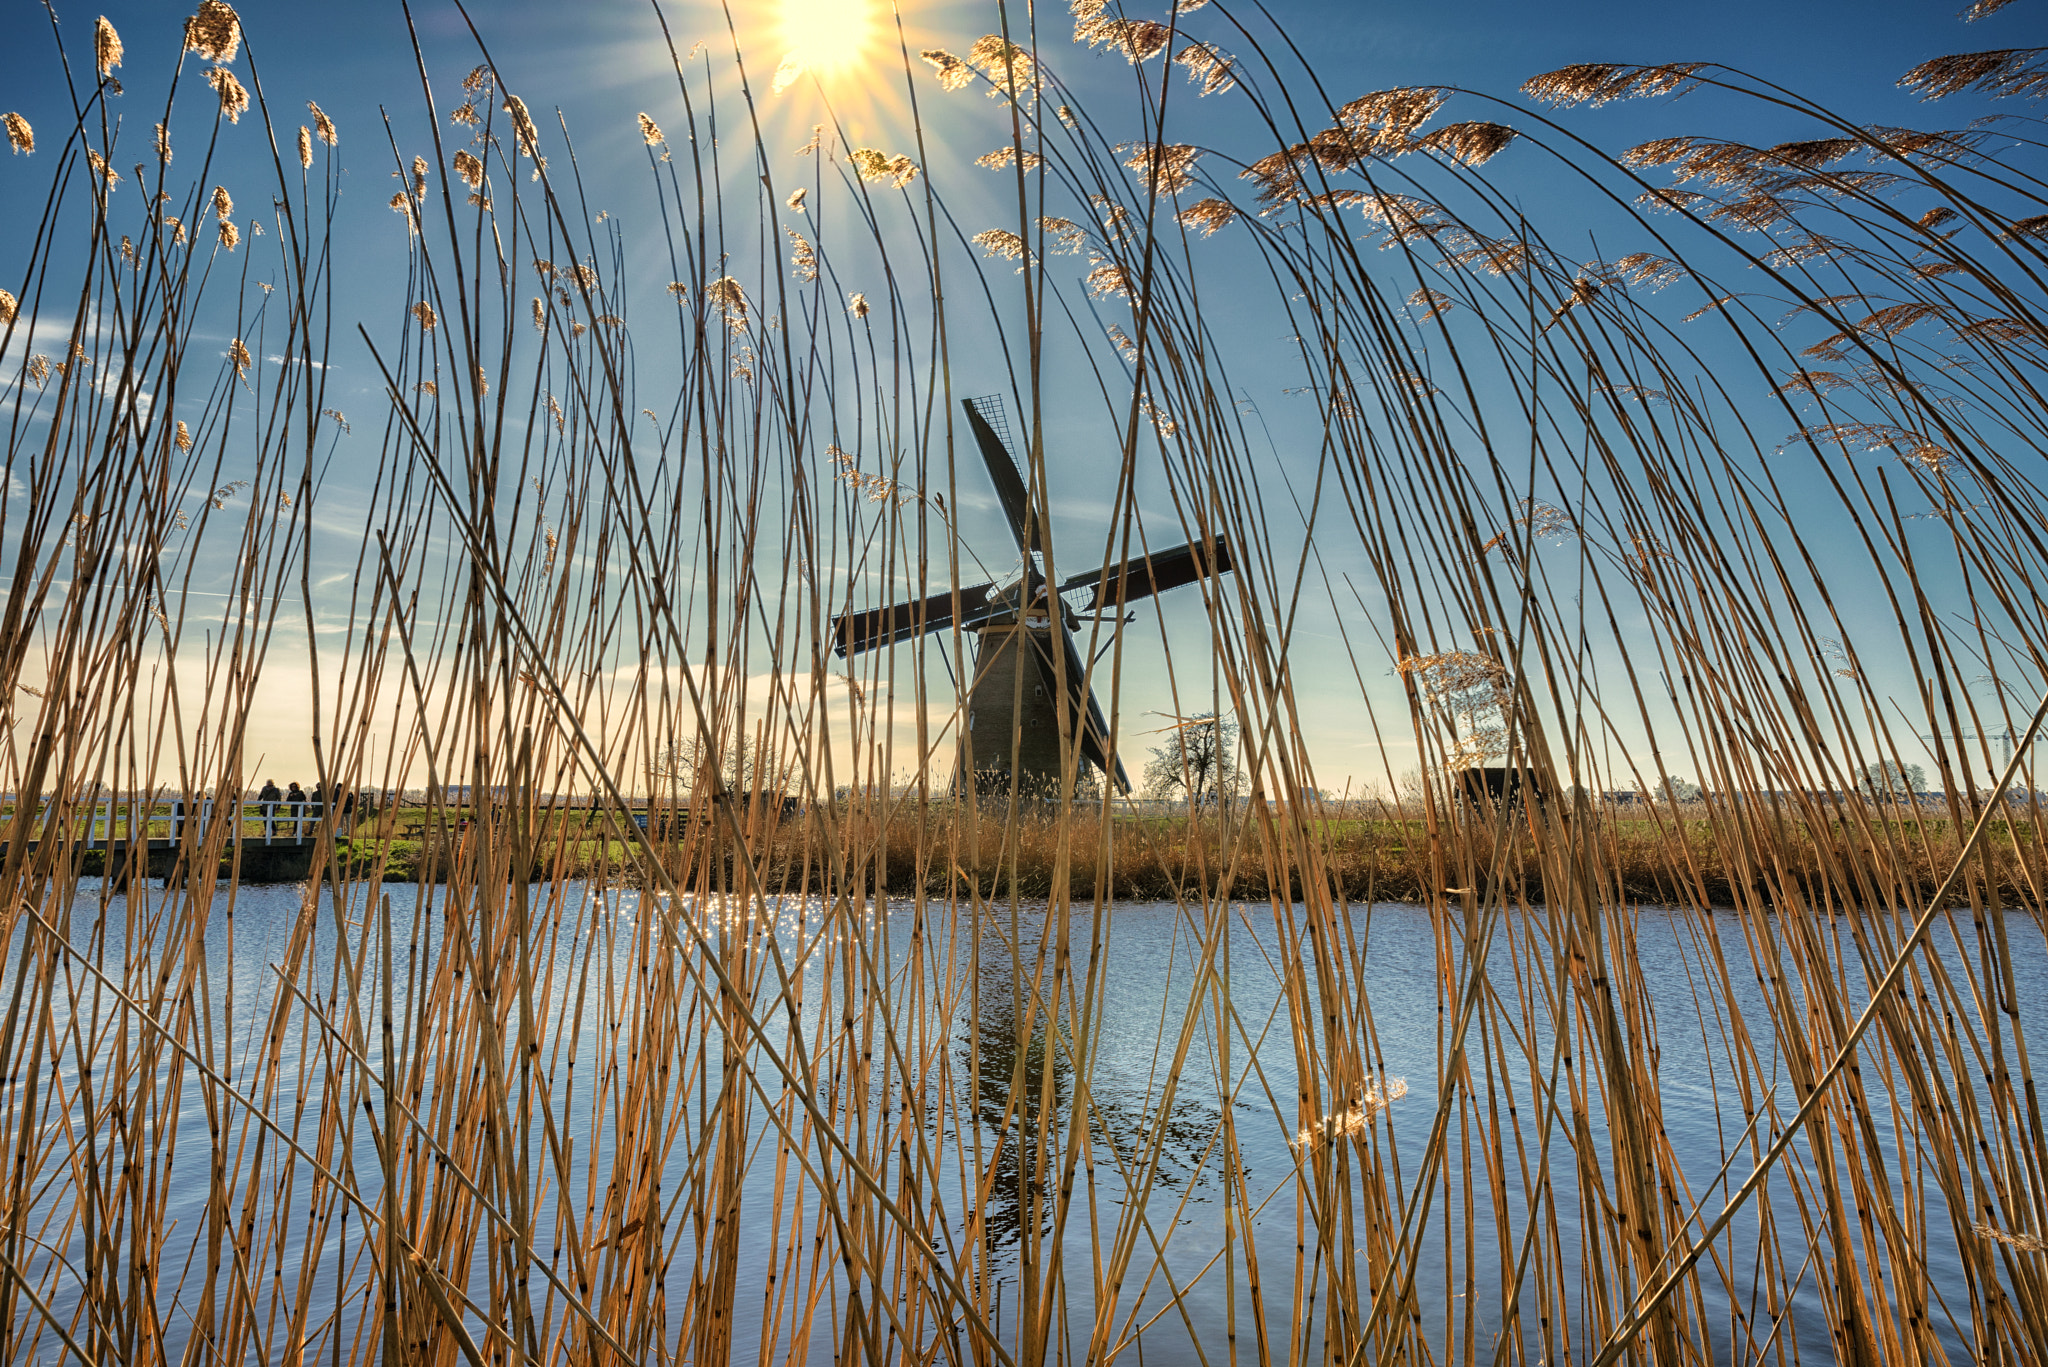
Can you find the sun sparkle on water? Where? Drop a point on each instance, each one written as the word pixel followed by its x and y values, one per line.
pixel 825 38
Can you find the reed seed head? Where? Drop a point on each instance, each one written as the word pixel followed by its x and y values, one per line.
pixel 1405 218
pixel 322 125
pixel 726 295
pixel 402 204
pixel 1002 62
pixel 1164 168
pixel 184 437
pixel 39 370
pixel 419 178
pixel 650 131
pixel 2025 1243
pixel 305 146
pixel 1109 281
pixel 107 174
pixel 1000 244
pixel 1392 115
pixel 478 80
pixel 230 237
pixel 1598 83
pixel 1427 304
pixel 525 136
pixel 1137 39
pixel 953 73
pixel 20 137
pixel 1068 237
pixel 106 47
pixel 1209 67
pixel 234 100
pixel 2005 71
pixel 1353 1119
pixel 1009 156
pixel 802 260
pixel 470 169
pixel 9 307
pixel 215 33
pixel 223 205
pixel 857 305
pixel 425 313
pixel 1473 143
pixel 239 355
pixel 1208 216
pixel 1495 256
pixel 874 164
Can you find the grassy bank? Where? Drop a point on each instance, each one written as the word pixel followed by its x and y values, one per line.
pixel 1855 855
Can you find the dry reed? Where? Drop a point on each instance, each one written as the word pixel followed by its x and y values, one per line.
pixel 645 1065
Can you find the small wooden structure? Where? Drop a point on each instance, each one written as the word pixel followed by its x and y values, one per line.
pixel 1499 785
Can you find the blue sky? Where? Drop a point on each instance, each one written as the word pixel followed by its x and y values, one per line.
pixel 602 64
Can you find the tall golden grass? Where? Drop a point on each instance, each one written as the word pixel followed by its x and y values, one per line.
pixel 501 1117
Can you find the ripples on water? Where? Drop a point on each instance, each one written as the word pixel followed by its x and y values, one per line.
pixel 1168 1098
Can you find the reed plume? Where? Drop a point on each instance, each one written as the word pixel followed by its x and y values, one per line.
pixel 106 47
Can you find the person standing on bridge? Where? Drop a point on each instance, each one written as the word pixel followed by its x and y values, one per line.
pixel 269 795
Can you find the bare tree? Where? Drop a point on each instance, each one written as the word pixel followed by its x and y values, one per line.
pixel 1198 760
pixel 743 767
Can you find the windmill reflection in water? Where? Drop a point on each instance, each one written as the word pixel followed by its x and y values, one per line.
pixel 1030 699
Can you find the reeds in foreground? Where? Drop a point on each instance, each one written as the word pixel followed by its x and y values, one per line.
pixel 651 1064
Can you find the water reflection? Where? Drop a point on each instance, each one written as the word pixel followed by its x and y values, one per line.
pixel 1024 1099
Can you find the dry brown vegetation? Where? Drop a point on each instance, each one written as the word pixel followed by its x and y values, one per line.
pixel 505 1116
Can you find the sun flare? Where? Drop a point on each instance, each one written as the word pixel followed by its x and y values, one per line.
pixel 824 38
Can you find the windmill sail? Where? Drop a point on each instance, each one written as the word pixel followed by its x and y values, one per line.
pixel 1142 576
pixel 1003 473
pixel 1082 708
pixel 858 631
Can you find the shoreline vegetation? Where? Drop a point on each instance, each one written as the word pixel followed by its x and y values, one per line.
pixel 1754 496
pixel 1828 856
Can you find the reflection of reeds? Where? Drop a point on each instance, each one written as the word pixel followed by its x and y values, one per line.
pixel 548 1129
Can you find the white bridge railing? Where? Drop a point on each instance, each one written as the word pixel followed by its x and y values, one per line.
pixel 100 825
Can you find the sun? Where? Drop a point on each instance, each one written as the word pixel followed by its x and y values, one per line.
pixel 825 38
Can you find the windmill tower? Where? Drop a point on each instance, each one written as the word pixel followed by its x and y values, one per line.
pixel 1028 700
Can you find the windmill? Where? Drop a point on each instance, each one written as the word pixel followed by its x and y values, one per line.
pixel 1025 658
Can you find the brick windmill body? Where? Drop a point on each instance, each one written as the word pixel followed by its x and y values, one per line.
pixel 1029 701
